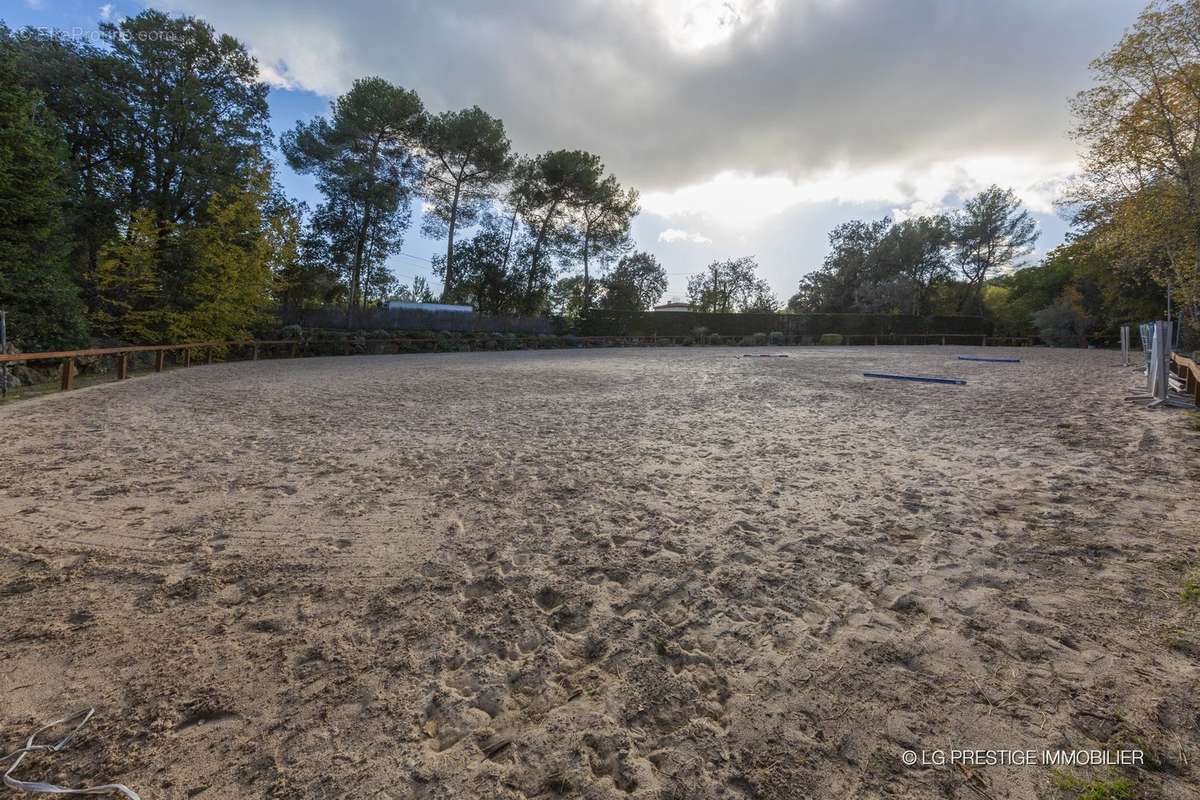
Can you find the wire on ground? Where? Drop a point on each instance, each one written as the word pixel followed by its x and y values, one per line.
pixel 31 746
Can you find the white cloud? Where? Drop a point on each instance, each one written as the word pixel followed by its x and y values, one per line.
pixel 738 201
pixel 673 92
pixel 671 235
pixel 106 11
pixel 918 208
pixel 694 25
pixel 33 4
pixel 276 76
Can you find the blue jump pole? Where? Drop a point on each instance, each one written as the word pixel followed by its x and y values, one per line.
pixel 995 360
pixel 918 378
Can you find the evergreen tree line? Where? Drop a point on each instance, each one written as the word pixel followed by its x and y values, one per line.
pixel 546 230
pixel 926 265
pixel 138 200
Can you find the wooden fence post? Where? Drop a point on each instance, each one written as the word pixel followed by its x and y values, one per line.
pixel 293 349
pixel 209 354
pixel 160 360
pixel 187 356
pixel 68 374
pixel 255 357
pixel 122 366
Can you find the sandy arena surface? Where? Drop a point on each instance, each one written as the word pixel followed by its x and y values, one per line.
pixel 660 574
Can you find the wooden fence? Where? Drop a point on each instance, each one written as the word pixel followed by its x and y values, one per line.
pixel 1189 370
pixel 122 354
pixel 296 348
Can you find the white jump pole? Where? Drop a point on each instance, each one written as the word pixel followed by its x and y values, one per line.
pixel 1151 350
pixel 1146 335
pixel 1158 372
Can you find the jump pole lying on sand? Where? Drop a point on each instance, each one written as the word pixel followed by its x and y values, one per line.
pixel 763 355
pixel 919 378
pixel 995 360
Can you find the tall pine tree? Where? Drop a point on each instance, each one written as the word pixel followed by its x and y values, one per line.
pixel 45 311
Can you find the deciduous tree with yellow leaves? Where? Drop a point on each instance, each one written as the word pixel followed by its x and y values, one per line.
pixel 1139 193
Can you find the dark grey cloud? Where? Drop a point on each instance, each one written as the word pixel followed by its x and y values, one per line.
pixel 797 85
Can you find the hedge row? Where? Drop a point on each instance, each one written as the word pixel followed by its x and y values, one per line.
pixel 684 323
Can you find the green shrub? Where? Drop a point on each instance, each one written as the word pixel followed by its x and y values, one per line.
pixel 291 332
pixel 1117 789
pixel 748 341
pixel 831 338
pixel 714 338
pixel 760 338
pixel 776 338
pixel 1191 588
pixel 678 324
pixel 699 332
pixel 1062 325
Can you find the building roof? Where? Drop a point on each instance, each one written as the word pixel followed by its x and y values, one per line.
pixel 404 305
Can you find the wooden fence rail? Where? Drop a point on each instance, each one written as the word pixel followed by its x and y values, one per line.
pixel 294 348
pixel 122 354
pixel 1189 370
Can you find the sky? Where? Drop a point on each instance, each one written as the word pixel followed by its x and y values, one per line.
pixel 750 127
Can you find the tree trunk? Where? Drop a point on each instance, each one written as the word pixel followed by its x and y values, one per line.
pixel 973 291
pixel 356 265
pixel 448 288
pixel 364 229
pixel 537 251
pixel 512 229
pixel 587 281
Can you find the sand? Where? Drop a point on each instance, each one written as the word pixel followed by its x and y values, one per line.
pixel 668 573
